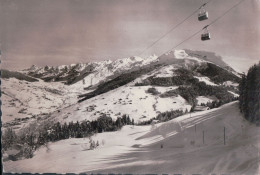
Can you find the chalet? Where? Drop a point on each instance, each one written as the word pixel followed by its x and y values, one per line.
pixel 155 121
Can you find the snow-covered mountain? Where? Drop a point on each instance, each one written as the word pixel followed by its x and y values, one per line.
pixel 141 88
pixel 90 73
pixel 149 91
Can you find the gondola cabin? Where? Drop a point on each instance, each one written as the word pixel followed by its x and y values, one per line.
pixel 205 36
pixel 203 16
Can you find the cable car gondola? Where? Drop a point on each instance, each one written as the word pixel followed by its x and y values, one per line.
pixel 203 14
pixel 205 35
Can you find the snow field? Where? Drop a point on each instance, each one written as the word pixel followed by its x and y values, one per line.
pixel 181 54
pixel 23 99
pixel 131 100
pixel 137 149
pixel 206 80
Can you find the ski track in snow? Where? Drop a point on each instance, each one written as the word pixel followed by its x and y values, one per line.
pixel 137 149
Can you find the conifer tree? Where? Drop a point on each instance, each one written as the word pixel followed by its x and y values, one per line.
pixel 249 90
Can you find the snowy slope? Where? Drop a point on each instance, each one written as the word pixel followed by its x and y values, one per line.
pixel 21 99
pixel 206 80
pixel 181 54
pixel 138 149
pixel 191 57
pixel 230 84
pixel 132 100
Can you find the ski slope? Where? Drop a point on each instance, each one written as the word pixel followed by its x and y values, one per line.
pixel 137 149
pixel 134 101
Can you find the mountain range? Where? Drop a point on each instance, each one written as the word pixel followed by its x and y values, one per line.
pixel 142 88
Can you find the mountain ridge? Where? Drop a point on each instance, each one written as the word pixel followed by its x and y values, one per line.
pixel 141 88
pixel 95 72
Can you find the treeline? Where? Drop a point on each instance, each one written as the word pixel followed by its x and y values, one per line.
pixel 249 90
pixel 169 115
pixel 202 89
pixel 190 87
pixel 184 76
pixel 118 81
pixel 84 129
pixel 217 74
pixel 184 79
pixel 217 103
pixel 17 75
pixel 34 136
pixel 191 91
pixel 164 116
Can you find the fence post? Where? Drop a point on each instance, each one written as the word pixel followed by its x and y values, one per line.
pixel 224 135
pixel 203 136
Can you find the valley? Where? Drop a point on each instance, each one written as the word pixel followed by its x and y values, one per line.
pixel 162 99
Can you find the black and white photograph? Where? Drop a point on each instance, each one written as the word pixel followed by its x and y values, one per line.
pixel 130 86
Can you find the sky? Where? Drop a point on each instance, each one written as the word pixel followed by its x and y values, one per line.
pixel 58 32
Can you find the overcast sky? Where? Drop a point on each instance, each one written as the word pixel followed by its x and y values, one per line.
pixel 56 32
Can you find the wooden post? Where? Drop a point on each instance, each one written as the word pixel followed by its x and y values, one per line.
pixel 224 135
